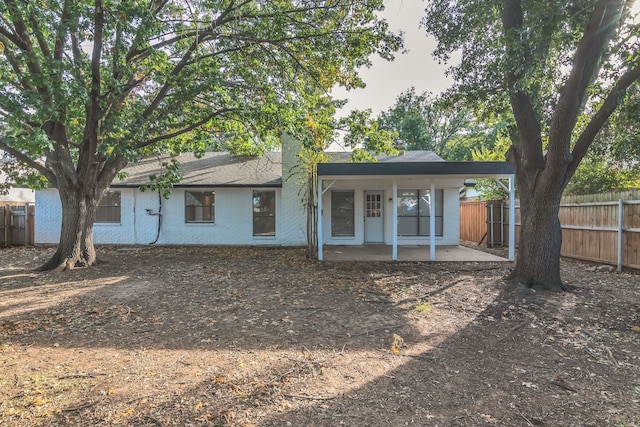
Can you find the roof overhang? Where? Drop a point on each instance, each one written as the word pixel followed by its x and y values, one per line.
pixel 457 169
pixel 262 185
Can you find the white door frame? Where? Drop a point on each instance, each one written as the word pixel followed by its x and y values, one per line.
pixel 374 216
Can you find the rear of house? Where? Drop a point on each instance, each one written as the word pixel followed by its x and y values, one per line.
pixel 360 208
pixel 411 199
pixel 408 199
pixel 221 200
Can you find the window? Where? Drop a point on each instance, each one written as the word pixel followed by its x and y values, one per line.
pixel 199 206
pixel 342 219
pixel 108 209
pixel 373 205
pixel 414 212
pixel 264 213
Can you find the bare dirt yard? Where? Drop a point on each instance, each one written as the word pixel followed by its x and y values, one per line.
pixel 263 337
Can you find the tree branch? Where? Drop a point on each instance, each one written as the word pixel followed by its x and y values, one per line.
pixel 586 64
pixel 110 169
pixel 42 41
pixel 20 74
pixel 528 148
pixel 61 32
pixel 24 42
pixel 33 164
pixel 609 105
pixel 14 38
pixel 162 93
pixel 186 129
pixel 89 144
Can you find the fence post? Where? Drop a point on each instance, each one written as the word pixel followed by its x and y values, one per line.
pixel 8 220
pixel 491 224
pixel 620 233
pixel 4 220
pixel 32 226
pixel 26 224
pixel 501 225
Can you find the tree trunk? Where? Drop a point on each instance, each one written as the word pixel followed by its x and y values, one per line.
pixel 311 206
pixel 76 248
pixel 538 259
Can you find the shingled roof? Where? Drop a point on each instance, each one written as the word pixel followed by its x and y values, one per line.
pixel 404 156
pixel 211 170
pixel 222 169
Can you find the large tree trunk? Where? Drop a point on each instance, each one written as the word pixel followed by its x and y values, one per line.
pixel 538 260
pixel 540 187
pixel 76 248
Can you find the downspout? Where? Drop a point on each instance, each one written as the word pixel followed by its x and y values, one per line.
pixel 159 215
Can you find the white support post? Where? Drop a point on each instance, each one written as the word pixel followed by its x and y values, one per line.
pixel 432 221
pixel 319 223
pixel 394 216
pixel 620 233
pixel 512 219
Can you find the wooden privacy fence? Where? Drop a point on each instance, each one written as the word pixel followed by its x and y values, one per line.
pixel 602 228
pixel 597 228
pixel 485 222
pixel 16 224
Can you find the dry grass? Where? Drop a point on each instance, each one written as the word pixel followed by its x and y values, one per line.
pixel 241 337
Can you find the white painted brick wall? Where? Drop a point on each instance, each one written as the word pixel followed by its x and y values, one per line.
pixel 48 217
pixel 293 214
pixel 234 214
pixel 451 210
pixel 233 220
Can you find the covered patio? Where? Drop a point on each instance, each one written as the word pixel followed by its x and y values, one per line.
pixel 407 253
pixel 367 199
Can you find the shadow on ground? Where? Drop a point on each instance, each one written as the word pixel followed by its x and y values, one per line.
pixel 241 336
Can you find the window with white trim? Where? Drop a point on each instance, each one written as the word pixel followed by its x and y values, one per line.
pixel 109 207
pixel 414 213
pixel 199 206
pixel 342 214
pixel 264 213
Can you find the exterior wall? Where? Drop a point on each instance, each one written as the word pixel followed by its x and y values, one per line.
pixel 293 213
pixel 233 220
pixel 233 215
pixel 48 216
pixel 451 209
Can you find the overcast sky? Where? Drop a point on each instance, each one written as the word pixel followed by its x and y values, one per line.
pixel 386 80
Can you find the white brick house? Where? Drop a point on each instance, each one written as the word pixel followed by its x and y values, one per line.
pixel 229 200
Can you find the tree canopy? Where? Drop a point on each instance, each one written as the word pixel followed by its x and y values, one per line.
pixel 556 71
pixel 445 124
pixel 423 121
pixel 88 86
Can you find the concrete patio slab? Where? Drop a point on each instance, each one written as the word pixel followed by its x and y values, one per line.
pixel 406 253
